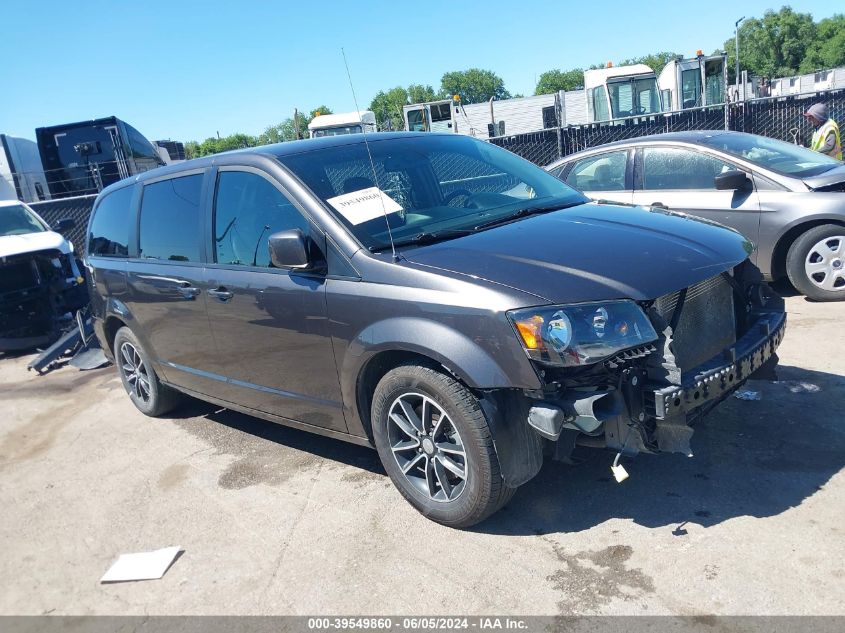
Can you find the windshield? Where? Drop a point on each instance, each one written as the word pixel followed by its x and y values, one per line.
pixel 428 184
pixel 633 97
pixel 18 220
pixel 784 158
pixel 334 131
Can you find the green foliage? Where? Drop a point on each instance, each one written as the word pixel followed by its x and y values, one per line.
pixel 387 106
pixel 655 61
pixel 773 46
pixel 213 145
pixel 287 129
pixel 828 48
pixel 553 80
pixel 474 85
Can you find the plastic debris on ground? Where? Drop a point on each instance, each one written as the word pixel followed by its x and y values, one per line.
pixel 141 566
pixel 77 345
pixel 747 395
pixel 797 386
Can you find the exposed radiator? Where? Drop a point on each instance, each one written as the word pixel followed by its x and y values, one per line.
pixel 707 322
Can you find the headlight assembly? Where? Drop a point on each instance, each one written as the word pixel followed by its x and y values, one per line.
pixel 581 334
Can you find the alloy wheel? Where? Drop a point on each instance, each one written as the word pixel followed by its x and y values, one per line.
pixel 825 263
pixel 135 371
pixel 427 447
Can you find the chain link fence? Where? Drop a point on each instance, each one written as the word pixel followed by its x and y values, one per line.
pixel 775 117
pixel 77 208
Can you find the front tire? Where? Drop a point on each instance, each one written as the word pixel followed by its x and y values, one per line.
pixel 435 444
pixel 815 263
pixel 146 391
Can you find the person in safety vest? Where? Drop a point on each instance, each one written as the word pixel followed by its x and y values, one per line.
pixel 826 138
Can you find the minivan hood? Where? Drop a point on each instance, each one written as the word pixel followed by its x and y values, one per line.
pixel 32 242
pixel 830 177
pixel 593 252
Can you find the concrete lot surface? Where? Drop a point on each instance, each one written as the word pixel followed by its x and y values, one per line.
pixel 277 521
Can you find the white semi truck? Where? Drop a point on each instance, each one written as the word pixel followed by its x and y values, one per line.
pixel 694 82
pixel 342 123
pixel 616 92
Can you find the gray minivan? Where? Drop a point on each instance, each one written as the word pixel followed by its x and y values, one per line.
pixel 433 296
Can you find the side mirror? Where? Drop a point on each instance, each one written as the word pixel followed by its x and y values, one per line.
pixel 731 180
pixel 288 249
pixel 63 225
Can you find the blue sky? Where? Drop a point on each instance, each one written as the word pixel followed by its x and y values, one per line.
pixel 186 70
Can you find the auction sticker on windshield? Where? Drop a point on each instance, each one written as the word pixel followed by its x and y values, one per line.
pixel 363 205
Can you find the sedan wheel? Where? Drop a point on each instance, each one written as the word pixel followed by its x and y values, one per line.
pixel 825 263
pixel 815 263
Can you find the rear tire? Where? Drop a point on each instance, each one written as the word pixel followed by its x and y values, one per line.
pixel 815 263
pixel 435 444
pixel 145 390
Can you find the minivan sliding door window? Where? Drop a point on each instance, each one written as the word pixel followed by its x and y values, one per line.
pixel 171 220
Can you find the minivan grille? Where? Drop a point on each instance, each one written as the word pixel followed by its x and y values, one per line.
pixel 707 323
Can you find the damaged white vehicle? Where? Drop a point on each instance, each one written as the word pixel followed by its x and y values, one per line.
pixel 40 280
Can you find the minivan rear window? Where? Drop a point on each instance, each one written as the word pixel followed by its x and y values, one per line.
pixel 109 234
pixel 171 227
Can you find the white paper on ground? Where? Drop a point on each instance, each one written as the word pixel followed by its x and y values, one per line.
pixel 363 205
pixel 141 566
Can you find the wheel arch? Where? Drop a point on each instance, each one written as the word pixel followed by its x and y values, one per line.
pixel 391 342
pixel 111 325
pixel 781 250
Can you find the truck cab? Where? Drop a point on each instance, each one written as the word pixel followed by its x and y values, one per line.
pixel 619 92
pixel 694 82
pixel 343 123
pixel 434 116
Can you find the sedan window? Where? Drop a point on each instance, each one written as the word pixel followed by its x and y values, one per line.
pixel 605 172
pixel 784 158
pixel 675 168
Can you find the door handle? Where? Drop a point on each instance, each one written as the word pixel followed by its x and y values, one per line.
pixel 659 205
pixel 188 291
pixel 221 294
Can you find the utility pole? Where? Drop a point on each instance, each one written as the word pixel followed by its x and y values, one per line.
pixel 736 39
pixel 296 123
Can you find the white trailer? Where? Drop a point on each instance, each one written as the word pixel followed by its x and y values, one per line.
pixel 483 120
pixel 21 174
pixel 342 123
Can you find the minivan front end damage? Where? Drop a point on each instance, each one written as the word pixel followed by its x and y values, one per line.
pixel 710 338
pixel 37 290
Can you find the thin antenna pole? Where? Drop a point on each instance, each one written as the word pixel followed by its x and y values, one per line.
pixel 370 154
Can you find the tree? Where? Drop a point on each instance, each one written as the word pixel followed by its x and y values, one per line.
pixel 191 149
pixel 474 85
pixel 213 145
pixel 828 48
pixel 287 129
pixel 387 106
pixel 655 61
pixel 773 46
pixel 553 80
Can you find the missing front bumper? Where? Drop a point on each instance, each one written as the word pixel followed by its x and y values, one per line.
pixel 719 376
